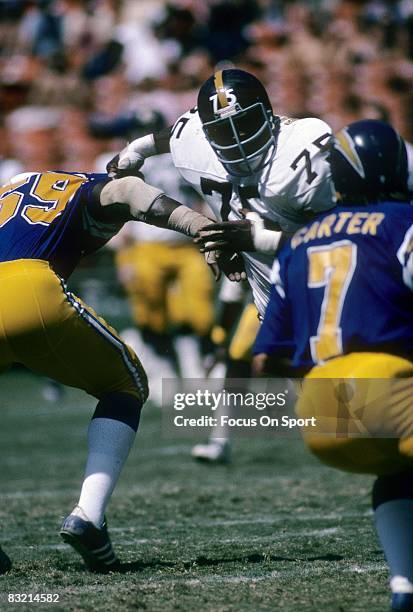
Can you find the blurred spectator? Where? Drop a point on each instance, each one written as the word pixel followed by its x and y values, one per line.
pixel 98 62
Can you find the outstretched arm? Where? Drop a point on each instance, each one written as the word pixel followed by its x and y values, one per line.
pixel 135 199
pixel 133 156
pixel 130 198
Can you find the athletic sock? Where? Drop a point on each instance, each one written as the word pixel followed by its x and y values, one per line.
pixel 111 434
pixel 189 356
pixel 394 524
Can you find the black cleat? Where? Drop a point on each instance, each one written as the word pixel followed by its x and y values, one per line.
pixel 5 562
pixel 92 544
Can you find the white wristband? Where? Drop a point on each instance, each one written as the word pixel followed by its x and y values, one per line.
pixel 265 240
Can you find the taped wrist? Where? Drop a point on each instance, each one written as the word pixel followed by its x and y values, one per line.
pixel 132 191
pixel 187 221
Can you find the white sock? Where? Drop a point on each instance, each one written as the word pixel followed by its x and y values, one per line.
pixel 394 524
pixel 221 432
pixel 189 357
pixel 109 443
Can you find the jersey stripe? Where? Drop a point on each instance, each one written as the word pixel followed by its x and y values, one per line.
pixel 219 86
pixel 135 369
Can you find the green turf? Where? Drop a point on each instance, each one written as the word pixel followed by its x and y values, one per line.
pixel 274 531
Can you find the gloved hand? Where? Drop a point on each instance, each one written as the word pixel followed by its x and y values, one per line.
pixel 249 234
pixel 114 172
pixel 226 236
pixel 232 265
pixel 132 157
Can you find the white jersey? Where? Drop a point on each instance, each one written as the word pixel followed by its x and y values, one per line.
pixel 293 186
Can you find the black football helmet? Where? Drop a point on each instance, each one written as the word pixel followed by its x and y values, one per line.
pixel 238 120
pixel 368 162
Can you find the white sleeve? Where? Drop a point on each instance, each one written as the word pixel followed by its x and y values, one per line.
pixel 405 257
pixel 300 179
pixel 195 160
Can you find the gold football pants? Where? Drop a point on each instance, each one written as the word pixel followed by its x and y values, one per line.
pixel 167 284
pixel 50 331
pixel 245 333
pixel 363 405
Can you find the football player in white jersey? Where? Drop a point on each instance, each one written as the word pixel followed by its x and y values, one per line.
pixel 243 159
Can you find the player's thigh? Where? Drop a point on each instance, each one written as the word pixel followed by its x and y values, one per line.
pixel 362 409
pixel 58 336
pixel 194 298
pixel 95 357
pixel 30 295
pixel 245 334
pixel 148 294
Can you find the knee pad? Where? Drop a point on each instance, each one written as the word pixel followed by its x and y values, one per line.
pixel 119 407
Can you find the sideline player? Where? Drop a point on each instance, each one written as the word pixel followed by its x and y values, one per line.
pixel 48 221
pixel 341 308
pixel 239 156
pixel 233 335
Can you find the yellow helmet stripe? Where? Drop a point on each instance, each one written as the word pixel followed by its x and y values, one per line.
pixel 220 89
pixel 345 145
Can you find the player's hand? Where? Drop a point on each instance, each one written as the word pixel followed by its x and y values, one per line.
pixel 114 172
pixel 134 154
pixel 250 234
pixel 132 157
pixel 232 265
pixel 227 236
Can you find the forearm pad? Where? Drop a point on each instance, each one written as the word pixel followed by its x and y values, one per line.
pixel 132 191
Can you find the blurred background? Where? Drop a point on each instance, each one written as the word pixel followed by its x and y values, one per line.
pixel 78 79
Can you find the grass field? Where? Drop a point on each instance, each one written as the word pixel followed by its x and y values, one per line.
pixel 274 531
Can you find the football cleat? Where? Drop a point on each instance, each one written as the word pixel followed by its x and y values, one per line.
pixel 402 598
pixel 5 562
pixel 213 452
pixel 92 544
